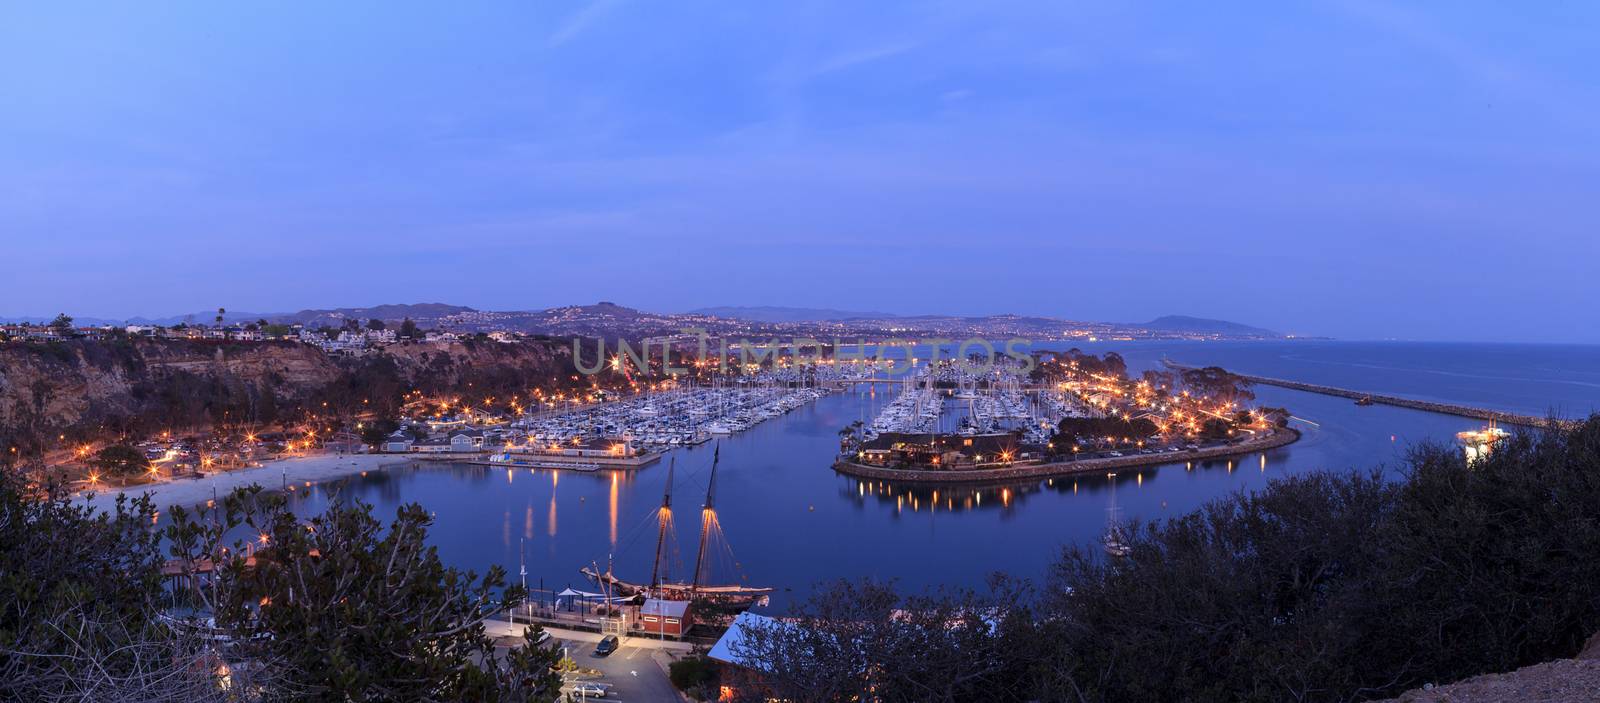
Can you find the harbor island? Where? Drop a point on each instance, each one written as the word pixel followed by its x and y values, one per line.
pixel 1064 413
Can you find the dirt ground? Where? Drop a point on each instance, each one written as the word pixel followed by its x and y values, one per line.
pixel 1560 681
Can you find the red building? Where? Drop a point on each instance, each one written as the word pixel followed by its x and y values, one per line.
pixel 665 617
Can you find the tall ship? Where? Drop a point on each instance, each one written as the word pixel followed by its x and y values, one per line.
pixel 698 588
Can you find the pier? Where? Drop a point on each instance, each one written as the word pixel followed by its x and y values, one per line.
pixel 1498 416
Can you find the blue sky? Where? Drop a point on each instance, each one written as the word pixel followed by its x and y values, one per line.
pixel 1356 169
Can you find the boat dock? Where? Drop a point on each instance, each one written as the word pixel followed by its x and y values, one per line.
pixel 535 460
pixel 1498 416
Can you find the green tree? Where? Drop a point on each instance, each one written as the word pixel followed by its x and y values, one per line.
pixel 79 594
pixel 691 673
pixel 63 325
pixel 374 433
pixel 1264 597
pixel 863 641
pixel 408 328
pixel 1218 384
pixel 357 612
pixel 1333 586
pixel 1214 428
pixel 375 324
pixel 120 460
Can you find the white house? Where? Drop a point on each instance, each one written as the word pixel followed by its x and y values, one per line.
pixel 432 445
pixel 466 441
pixel 397 442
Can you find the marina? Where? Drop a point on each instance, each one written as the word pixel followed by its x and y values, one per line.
pixel 800 352
pixel 796 522
pixel 687 415
pixel 971 399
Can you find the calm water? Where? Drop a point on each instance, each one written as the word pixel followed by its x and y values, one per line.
pixel 789 521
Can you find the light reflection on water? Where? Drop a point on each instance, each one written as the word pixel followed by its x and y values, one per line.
pixel 791 521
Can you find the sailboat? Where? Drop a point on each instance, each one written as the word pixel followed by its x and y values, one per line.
pixel 1115 540
pixel 695 590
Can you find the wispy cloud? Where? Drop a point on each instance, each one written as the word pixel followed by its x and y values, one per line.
pixel 579 21
pixel 1496 73
pixel 858 57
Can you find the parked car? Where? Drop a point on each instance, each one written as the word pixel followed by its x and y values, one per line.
pixel 588 689
pixel 607 645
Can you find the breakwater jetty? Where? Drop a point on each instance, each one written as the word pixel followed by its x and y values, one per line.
pixel 1498 416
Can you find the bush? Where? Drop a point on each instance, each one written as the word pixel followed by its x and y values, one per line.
pixel 1339 586
pixel 691 671
pixel 120 460
pixel 1328 586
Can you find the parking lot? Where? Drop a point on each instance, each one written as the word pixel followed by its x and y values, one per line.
pixel 630 675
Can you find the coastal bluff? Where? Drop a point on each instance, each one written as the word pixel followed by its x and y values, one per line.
pixel 84 390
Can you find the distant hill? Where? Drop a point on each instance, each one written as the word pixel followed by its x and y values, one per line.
pixel 1200 325
pixel 611 320
pixel 392 312
pixel 771 313
pixel 313 318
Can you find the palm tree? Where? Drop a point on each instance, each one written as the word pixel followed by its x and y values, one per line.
pixel 220 313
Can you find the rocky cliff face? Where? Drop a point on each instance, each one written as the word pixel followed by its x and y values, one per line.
pixel 85 390
pixel 453 366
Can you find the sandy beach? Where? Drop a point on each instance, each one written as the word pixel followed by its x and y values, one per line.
pixel 270 475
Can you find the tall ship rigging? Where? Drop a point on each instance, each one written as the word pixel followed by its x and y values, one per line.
pixel 697 589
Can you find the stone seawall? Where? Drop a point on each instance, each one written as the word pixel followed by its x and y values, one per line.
pixel 1429 406
pixel 1279 437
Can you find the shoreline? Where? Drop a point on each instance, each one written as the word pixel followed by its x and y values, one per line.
pixel 270 476
pixel 1282 436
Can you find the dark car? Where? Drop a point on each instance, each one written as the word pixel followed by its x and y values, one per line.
pixel 607 645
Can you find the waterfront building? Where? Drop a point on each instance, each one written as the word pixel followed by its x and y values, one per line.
pixel 398 442
pixel 431 445
pixel 595 447
pixel 664 617
pixel 442 445
pixel 942 450
pixel 466 441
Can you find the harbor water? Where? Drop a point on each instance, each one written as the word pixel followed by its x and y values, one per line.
pixel 788 521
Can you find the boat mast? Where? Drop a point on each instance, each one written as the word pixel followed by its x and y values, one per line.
pixel 666 518
pixel 707 514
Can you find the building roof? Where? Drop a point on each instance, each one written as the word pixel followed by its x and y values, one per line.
pixel 722 651
pixel 668 608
